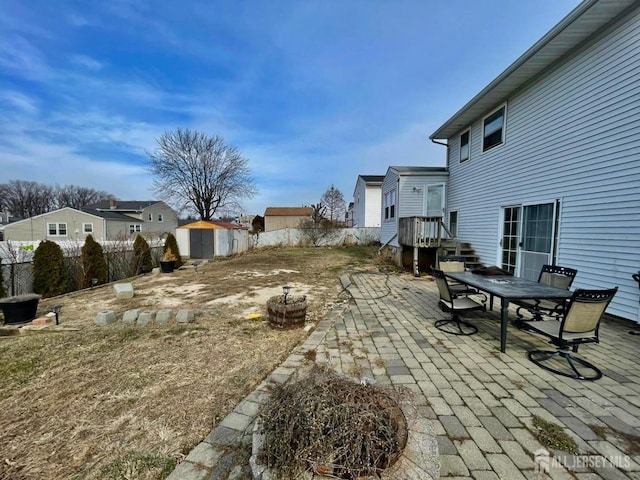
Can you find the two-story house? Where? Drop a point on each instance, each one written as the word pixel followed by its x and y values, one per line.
pixel 544 162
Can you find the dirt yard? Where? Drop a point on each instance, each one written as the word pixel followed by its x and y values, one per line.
pixel 128 402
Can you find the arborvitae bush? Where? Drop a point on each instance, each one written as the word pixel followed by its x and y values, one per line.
pixel 3 292
pixel 50 276
pixel 141 255
pixel 172 243
pixel 93 262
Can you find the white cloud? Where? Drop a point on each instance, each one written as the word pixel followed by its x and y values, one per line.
pixel 87 62
pixel 19 101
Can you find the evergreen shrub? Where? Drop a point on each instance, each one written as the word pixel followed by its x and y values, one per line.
pixel 50 275
pixel 141 255
pixel 172 244
pixel 93 263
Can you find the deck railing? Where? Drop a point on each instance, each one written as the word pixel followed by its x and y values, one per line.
pixel 423 232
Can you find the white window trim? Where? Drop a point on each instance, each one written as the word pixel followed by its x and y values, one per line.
pixel 160 218
pixel 460 160
pixel 392 195
pixel 504 130
pixel 151 217
pixel 84 228
pixel 57 234
pixel 134 228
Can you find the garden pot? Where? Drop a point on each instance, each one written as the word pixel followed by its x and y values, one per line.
pixel 291 314
pixel 19 309
pixel 167 267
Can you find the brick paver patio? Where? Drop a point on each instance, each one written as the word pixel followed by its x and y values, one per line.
pixel 481 402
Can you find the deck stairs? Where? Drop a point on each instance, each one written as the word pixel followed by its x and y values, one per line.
pixel 450 247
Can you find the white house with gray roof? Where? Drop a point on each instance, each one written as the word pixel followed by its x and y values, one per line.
pixel 544 162
pixel 367 197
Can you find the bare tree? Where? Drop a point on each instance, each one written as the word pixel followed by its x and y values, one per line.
pixel 333 200
pixel 77 197
pixel 317 230
pixel 25 199
pixel 199 173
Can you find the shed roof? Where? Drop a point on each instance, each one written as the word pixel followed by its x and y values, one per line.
pixel 288 211
pixel 573 31
pixel 211 225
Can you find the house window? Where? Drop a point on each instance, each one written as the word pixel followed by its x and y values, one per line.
pixel 453 224
pixel 390 204
pixel 464 146
pixel 493 129
pixel 151 217
pixel 57 229
pixel 134 228
pixel 160 217
pixel 87 228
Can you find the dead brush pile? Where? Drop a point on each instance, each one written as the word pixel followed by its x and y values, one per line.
pixel 333 426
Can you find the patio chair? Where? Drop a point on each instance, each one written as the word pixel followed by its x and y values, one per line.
pixel 580 324
pixel 457 264
pixel 456 305
pixel 555 276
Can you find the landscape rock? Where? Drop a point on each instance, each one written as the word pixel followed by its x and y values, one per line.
pixel 145 318
pixel 130 316
pixel 163 316
pixel 105 318
pixel 123 290
pixel 185 316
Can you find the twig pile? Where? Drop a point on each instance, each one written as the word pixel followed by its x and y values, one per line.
pixel 333 426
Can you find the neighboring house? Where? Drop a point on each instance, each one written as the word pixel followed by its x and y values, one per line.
pixel 276 218
pixel 66 224
pixel 367 200
pixel 116 220
pixel 349 215
pixel 410 192
pixel 155 217
pixel 545 161
pixel 245 221
pixel 5 219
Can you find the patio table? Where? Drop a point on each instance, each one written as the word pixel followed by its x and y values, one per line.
pixel 508 288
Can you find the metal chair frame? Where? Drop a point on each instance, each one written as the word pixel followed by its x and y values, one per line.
pixel 449 302
pixel 580 324
pixel 451 263
pixel 537 308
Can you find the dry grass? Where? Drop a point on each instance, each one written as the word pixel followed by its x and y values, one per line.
pixel 128 402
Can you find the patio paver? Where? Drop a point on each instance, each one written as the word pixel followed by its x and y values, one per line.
pixel 480 401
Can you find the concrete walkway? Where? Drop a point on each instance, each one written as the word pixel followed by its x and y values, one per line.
pixel 480 402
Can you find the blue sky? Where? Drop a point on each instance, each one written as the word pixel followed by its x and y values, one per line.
pixel 312 93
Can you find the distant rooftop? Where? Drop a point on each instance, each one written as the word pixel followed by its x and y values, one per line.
pixel 372 178
pixel 127 205
pixel 288 211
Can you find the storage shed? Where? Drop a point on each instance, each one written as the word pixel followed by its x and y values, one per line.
pixel 207 239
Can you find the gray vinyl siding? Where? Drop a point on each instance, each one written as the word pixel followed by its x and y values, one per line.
pixel 35 228
pixel 409 202
pixel 360 203
pixel 572 135
pixel 389 228
pixel 169 219
pixel 413 203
